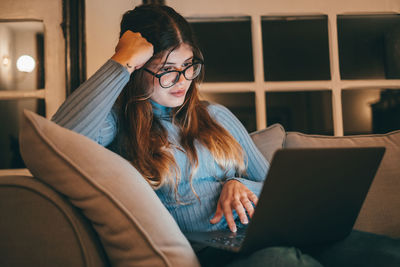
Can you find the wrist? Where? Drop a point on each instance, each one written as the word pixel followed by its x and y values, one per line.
pixel 124 61
pixel 232 179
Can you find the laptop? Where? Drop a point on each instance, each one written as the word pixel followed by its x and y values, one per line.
pixel 310 197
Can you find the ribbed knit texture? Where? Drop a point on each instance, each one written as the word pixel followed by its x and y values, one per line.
pixel 88 111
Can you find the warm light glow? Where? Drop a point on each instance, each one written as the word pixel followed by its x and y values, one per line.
pixel 5 61
pixel 25 63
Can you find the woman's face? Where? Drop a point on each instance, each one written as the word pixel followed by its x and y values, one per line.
pixel 178 59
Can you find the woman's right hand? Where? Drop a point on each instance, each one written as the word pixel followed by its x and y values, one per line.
pixel 133 51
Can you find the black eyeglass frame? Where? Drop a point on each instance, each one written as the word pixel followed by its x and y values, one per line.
pixel 181 72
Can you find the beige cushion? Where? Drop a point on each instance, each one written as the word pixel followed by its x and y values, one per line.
pixel 134 227
pixel 270 139
pixel 381 210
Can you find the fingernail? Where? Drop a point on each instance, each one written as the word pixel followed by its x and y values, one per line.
pixel 234 229
pixel 245 221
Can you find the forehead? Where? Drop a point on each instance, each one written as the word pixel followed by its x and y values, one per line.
pixel 177 56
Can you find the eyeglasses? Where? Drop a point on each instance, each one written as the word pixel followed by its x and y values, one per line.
pixel 170 78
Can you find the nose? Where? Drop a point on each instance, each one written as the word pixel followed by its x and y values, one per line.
pixel 181 78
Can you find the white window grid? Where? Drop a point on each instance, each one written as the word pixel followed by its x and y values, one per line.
pixel 258 9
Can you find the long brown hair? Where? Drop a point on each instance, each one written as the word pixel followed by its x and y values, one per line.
pixel 142 138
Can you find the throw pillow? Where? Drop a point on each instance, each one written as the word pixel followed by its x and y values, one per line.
pixel 132 223
pixel 269 140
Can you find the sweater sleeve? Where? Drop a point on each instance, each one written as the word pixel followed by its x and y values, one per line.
pixel 88 110
pixel 257 165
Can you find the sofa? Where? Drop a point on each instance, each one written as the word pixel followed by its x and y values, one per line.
pixel 86 206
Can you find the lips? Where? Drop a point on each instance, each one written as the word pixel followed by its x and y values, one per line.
pixel 178 93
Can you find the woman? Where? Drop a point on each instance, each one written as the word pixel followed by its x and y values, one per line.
pixel 144 104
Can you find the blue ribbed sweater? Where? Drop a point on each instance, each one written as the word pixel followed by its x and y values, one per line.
pixel 89 112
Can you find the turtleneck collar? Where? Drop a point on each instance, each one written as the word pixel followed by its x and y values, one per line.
pixel 160 111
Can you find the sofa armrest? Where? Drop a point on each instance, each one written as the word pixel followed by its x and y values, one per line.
pixel 40 228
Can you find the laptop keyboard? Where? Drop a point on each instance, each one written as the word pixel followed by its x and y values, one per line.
pixel 230 241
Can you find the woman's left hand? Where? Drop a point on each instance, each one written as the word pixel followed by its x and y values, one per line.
pixel 234 196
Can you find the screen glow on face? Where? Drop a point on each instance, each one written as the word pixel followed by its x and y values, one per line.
pixel 174 95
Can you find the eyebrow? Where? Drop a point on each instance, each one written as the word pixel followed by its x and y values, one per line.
pixel 171 63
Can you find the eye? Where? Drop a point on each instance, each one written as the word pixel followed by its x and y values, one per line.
pixel 187 64
pixel 165 69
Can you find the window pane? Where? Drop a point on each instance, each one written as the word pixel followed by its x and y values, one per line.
pixel 296 48
pixel 369 46
pixel 308 112
pixel 10 120
pixel 240 104
pixel 227 48
pixel 367 111
pixel 21 55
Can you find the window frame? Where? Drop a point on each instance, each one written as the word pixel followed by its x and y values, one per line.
pixel 49 12
pixel 258 9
